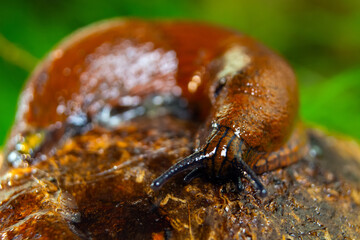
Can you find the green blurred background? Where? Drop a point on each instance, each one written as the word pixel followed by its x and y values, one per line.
pixel 320 38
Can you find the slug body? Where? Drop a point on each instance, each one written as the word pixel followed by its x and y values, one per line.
pixel 245 95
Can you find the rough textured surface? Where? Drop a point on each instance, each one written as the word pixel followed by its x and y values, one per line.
pixel 97 185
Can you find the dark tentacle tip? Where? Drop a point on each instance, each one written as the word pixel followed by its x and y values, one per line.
pixel 263 193
pixel 192 162
pixel 260 187
pixel 155 185
pixel 251 176
pixel 257 185
pixel 160 181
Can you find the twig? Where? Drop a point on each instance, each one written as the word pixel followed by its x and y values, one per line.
pixel 15 55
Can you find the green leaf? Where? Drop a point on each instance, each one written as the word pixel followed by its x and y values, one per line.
pixel 334 103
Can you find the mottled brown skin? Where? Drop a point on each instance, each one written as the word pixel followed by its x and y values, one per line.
pixel 245 95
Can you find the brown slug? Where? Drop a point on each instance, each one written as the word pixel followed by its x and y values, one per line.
pixel 245 95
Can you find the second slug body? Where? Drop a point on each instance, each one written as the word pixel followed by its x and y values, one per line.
pixel 244 95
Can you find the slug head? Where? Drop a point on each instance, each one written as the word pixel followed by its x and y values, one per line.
pixel 219 158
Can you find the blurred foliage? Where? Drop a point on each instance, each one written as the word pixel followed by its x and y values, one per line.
pixel 320 38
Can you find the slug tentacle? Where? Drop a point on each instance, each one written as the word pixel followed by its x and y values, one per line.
pixel 193 174
pixel 250 175
pixel 194 161
pixel 221 155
